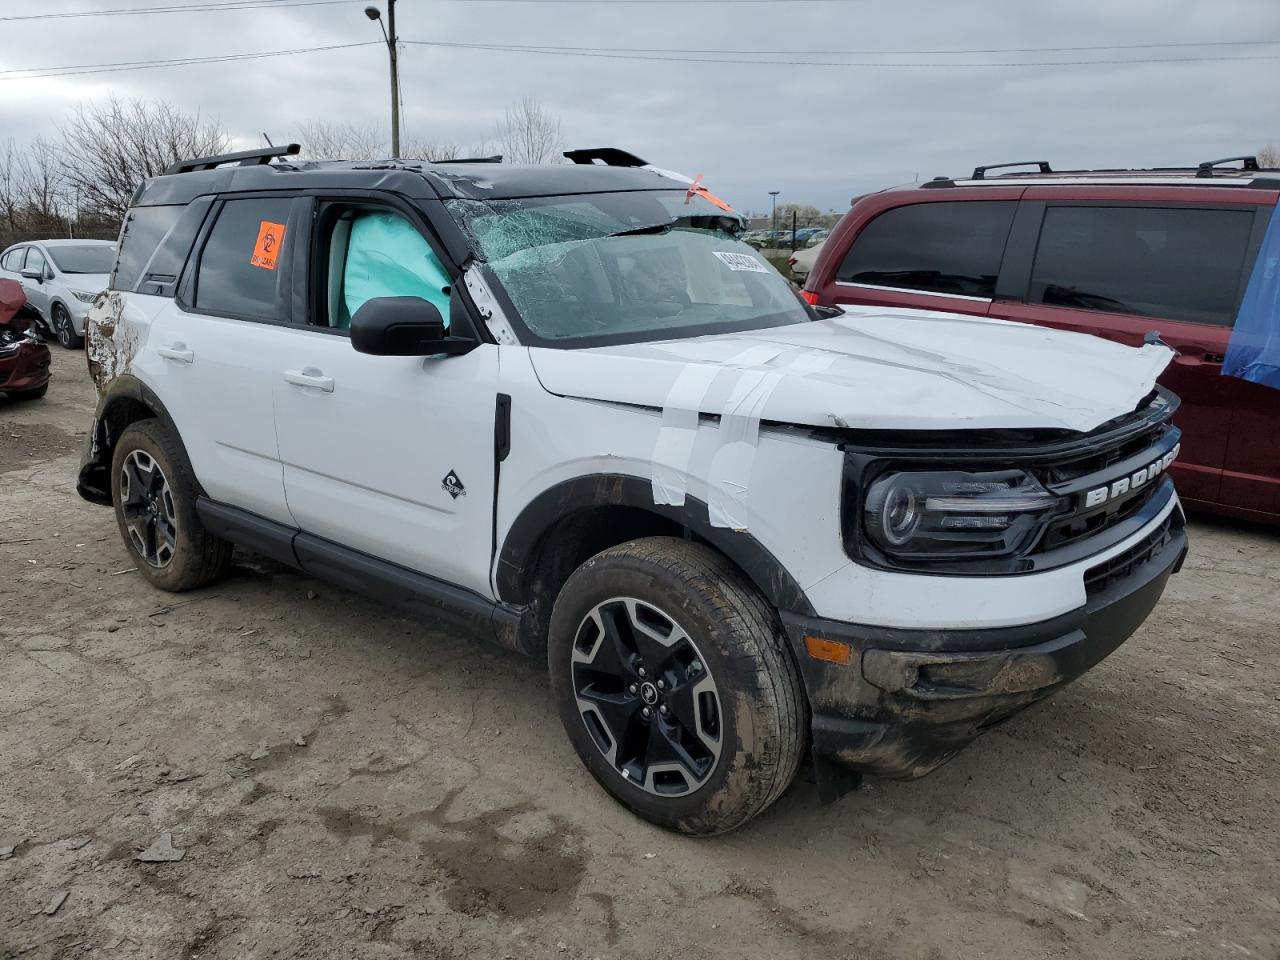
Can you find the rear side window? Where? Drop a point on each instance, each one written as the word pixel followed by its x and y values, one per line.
pixel 1176 264
pixel 243 259
pixel 144 228
pixel 949 247
pixel 13 259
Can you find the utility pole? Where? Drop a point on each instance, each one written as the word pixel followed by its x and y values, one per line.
pixel 389 34
pixel 395 79
pixel 773 217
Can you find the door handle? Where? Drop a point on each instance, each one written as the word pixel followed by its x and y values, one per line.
pixel 177 351
pixel 1198 359
pixel 309 377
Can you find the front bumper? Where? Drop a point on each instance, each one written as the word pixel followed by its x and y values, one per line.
pixel 906 701
pixel 27 369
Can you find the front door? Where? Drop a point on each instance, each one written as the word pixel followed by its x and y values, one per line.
pixel 37 289
pixel 391 456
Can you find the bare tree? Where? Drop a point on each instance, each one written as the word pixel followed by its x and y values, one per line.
pixel 42 183
pixel 1269 156
pixel 108 148
pixel 529 133
pixel 328 140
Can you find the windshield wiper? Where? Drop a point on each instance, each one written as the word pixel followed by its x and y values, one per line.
pixel 656 228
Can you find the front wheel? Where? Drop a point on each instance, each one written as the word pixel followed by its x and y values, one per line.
pixel 675 685
pixel 65 329
pixel 154 493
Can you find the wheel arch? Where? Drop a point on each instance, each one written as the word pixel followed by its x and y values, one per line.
pixel 124 401
pixel 570 522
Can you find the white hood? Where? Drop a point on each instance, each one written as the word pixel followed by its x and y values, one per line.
pixel 876 368
pixel 88 282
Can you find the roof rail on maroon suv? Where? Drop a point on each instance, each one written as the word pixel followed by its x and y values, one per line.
pixel 1129 255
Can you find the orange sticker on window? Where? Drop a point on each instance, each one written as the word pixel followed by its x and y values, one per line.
pixel 270 239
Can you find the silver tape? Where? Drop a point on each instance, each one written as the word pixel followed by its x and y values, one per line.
pixel 729 476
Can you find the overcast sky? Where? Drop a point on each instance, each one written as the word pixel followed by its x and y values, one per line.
pixel 819 134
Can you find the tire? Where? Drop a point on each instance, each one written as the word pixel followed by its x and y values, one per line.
pixel 35 394
pixel 157 516
pixel 731 693
pixel 64 329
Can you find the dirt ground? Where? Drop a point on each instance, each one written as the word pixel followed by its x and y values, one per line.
pixel 347 783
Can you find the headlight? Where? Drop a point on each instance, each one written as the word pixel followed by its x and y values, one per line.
pixel 82 296
pixel 954 514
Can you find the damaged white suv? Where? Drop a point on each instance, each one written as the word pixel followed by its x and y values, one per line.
pixel 565 407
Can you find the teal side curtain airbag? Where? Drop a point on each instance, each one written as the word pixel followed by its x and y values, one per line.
pixel 388 257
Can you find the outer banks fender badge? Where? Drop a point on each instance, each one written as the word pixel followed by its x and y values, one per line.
pixel 453 486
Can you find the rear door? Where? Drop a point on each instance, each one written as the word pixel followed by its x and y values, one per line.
pixel 1122 269
pixel 219 345
pixel 929 254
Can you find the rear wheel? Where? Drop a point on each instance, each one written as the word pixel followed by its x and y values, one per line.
pixel 675 686
pixel 154 494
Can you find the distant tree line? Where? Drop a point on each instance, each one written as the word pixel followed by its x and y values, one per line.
pixel 78 182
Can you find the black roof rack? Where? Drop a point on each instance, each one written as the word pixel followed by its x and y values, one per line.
pixel 496 158
pixel 1246 163
pixel 242 158
pixel 609 156
pixel 979 173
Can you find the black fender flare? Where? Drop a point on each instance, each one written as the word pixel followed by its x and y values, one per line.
pixel 94 481
pixel 520 546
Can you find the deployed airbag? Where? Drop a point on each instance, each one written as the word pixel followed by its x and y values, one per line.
pixel 388 257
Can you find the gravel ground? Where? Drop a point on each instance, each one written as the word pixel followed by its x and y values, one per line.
pixel 343 782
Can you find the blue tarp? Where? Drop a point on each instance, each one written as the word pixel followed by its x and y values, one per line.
pixel 388 257
pixel 1253 353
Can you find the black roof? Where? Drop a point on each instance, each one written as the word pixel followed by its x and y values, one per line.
pixel 410 178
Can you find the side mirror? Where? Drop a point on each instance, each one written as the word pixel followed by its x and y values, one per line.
pixel 36 275
pixel 827 313
pixel 404 327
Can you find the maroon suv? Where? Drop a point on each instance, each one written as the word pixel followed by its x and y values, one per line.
pixel 1117 253
pixel 24 360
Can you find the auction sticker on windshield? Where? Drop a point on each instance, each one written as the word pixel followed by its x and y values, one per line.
pixel 741 261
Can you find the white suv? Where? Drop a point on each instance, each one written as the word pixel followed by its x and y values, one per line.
pixel 565 407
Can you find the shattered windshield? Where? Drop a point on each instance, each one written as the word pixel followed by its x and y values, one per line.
pixel 615 267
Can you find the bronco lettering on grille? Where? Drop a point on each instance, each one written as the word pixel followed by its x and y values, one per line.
pixel 1116 488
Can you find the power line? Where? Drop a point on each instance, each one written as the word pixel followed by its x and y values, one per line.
pixel 91 68
pixel 576 52
pixel 203 7
pixel 614 53
pixel 879 52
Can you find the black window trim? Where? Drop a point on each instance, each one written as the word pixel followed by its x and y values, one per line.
pixel 1014 282
pixel 186 294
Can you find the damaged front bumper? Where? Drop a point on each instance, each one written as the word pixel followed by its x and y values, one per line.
pixel 906 701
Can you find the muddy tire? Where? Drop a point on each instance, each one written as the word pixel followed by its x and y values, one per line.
pixel 154 494
pixel 676 686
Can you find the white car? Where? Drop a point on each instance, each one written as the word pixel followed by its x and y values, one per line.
pixel 802 261
pixel 60 279
pixel 565 408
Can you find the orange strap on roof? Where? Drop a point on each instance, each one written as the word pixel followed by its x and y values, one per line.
pixel 696 188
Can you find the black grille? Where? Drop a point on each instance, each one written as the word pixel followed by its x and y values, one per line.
pixel 1099 578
